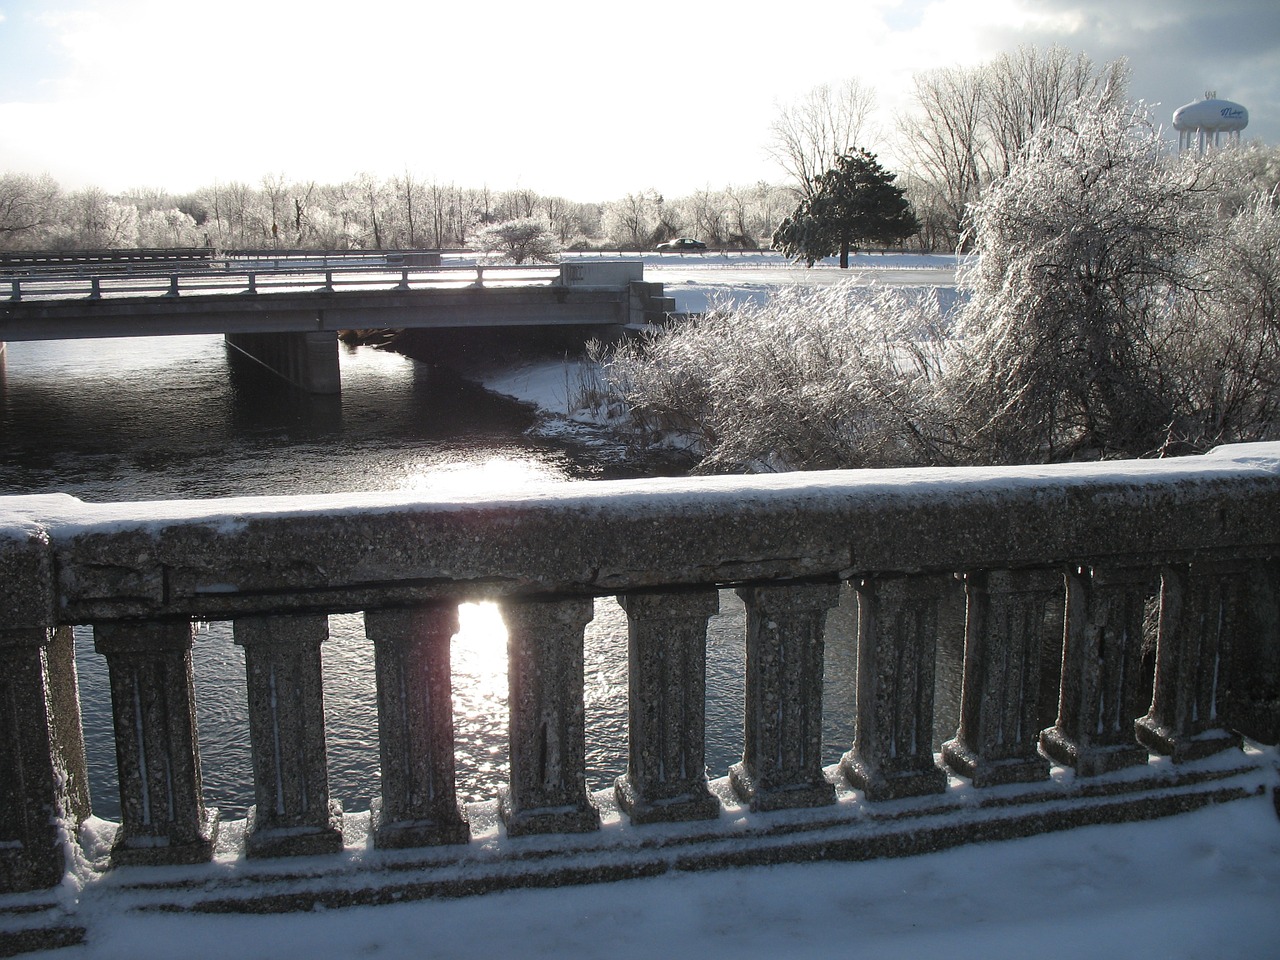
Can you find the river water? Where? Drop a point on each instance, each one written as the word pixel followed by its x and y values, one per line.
pixel 184 417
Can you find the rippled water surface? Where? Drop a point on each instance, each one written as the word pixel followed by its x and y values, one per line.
pixel 181 417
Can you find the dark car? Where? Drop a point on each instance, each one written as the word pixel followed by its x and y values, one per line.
pixel 680 245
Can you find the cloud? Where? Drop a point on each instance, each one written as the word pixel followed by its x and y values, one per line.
pixel 585 99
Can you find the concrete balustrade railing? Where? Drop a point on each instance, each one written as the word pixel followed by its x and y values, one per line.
pixel 1069 559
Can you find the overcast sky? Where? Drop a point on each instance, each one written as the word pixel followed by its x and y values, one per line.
pixel 587 100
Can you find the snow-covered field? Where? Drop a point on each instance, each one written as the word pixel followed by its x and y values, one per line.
pixel 697 279
pixel 1201 885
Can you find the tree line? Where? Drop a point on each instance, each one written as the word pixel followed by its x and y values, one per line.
pixel 965 129
pixel 369 212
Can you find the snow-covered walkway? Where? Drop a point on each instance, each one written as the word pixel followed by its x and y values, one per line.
pixel 1202 885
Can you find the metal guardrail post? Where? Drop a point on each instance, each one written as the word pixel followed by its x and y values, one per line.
pixel 16 289
pixel 173 286
pixel 253 283
pixel 479 276
pixel 404 280
pixel 95 289
pixel 328 281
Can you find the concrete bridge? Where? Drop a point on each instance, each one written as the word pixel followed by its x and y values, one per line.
pixel 1120 629
pixel 288 317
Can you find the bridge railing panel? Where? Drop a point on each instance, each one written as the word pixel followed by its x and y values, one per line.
pixel 1059 567
pixel 265 279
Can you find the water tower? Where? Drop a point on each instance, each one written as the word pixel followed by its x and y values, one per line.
pixel 1205 121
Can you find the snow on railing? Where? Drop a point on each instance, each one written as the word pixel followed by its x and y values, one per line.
pixel 1069 574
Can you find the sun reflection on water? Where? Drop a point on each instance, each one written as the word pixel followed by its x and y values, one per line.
pixel 469 476
pixel 479 660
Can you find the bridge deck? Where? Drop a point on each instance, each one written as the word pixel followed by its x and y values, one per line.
pixel 62 307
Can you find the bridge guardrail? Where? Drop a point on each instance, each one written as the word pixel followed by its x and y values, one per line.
pixel 229 281
pixel 1066 575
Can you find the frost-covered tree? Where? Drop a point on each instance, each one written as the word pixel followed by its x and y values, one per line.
pixel 969 125
pixel 945 139
pixel 630 222
pixel 1080 252
pixel 28 207
pixel 1227 339
pixel 91 219
pixel 854 204
pixel 168 228
pixel 811 133
pixel 524 240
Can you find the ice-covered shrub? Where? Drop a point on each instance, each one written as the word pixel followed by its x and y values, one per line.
pixel 1228 337
pixel 1080 253
pixel 838 376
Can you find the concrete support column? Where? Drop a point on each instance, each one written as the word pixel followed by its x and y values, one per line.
pixel 666 776
pixel 163 817
pixel 548 788
pixel 44 786
pixel 308 360
pixel 293 814
pixel 419 804
pixel 892 753
pixel 1006 617
pixel 1199 613
pixel 1102 692
pixel 782 745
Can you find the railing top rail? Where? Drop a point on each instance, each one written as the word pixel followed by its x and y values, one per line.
pixel 218 558
pixel 293 279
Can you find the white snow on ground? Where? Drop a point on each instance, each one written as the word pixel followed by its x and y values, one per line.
pixel 1201 885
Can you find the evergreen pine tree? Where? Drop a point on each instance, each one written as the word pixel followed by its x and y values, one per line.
pixel 855 203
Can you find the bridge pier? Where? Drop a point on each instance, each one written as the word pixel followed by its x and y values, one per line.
pixel 307 360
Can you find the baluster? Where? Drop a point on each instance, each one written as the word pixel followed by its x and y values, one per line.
pixel 404 280
pixel 1251 702
pixel 1199 607
pixel 253 283
pixel 293 814
pixel 328 281
pixel 892 753
pixel 548 789
pixel 782 745
pixel 15 289
pixel 173 286
pixel 1102 693
pixel 95 289
pixel 163 817
pixel 1007 614
pixel 667 679
pixel 419 803
pixel 43 780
